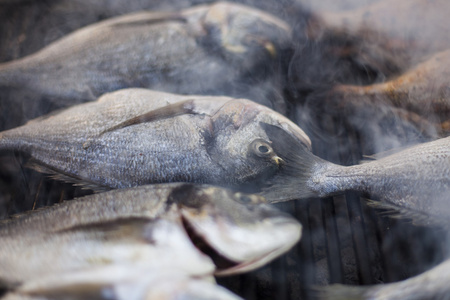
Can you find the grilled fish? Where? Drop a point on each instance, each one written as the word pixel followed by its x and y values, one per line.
pixel 385 36
pixel 414 181
pixel 135 136
pixel 112 237
pixel 218 49
pixel 432 284
pixel 424 90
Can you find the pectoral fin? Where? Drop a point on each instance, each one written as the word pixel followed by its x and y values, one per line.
pixel 60 176
pixel 191 106
pixel 168 111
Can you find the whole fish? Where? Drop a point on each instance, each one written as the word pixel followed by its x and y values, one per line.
pixel 432 284
pixel 112 238
pixel 414 181
pixel 135 136
pixel 217 49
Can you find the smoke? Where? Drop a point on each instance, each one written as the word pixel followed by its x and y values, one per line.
pixel 340 50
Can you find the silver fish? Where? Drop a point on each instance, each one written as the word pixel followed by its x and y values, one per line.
pixel 414 181
pixel 432 284
pixel 209 49
pixel 116 237
pixel 134 136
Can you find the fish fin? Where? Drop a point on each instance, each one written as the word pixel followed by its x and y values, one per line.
pixel 339 292
pixel 291 180
pixel 168 111
pixel 406 214
pixel 61 176
pixel 189 106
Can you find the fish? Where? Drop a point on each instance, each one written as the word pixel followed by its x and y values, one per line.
pixel 217 49
pixel 413 107
pixel 414 181
pixel 423 90
pixel 114 238
pixel 384 37
pixel 136 136
pixel 432 284
pixel 29 26
pixel 156 286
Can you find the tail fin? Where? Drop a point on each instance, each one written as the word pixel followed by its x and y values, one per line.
pixel 293 180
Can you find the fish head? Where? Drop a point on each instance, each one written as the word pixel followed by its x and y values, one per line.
pixel 244 34
pixel 240 232
pixel 242 147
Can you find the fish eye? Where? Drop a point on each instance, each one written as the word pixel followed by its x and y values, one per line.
pixel 261 148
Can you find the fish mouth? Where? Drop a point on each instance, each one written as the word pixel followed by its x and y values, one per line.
pixel 226 266
pixel 222 263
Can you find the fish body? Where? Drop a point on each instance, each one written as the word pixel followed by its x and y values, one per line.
pixel 432 284
pixel 416 180
pixel 216 140
pixel 114 238
pixel 209 49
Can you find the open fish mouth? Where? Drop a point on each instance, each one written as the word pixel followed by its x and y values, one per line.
pixel 228 266
pixel 222 263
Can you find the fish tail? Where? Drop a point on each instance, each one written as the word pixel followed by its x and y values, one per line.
pixel 340 292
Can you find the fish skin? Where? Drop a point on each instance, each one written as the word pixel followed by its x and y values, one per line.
pixel 432 284
pixel 106 236
pixel 212 145
pixel 415 180
pixel 181 52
